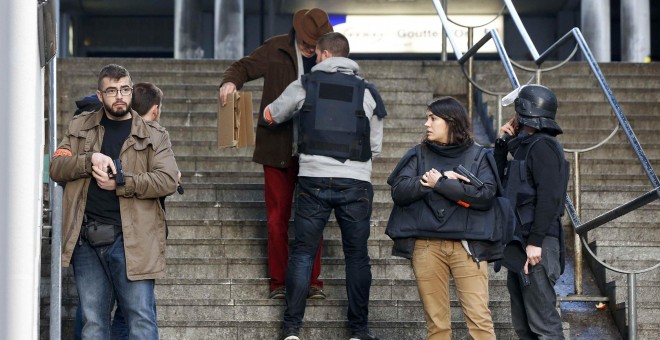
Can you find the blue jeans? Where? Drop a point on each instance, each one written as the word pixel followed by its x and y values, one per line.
pixel 317 197
pixel 119 326
pixel 100 279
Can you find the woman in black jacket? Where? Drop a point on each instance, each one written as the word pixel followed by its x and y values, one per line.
pixel 442 221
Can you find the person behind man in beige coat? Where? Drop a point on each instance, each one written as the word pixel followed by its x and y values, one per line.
pixel 115 166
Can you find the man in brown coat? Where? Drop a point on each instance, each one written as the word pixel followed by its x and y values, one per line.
pixel 279 61
pixel 116 166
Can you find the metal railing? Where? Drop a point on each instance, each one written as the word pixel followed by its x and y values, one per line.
pixel 470 71
pixel 55 202
pixel 580 228
pixel 55 199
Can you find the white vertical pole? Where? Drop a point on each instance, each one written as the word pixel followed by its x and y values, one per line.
pixel 595 26
pixel 21 147
pixel 229 29
pixel 188 29
pixel 635 30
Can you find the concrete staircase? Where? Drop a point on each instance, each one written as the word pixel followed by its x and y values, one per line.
pixel 216 285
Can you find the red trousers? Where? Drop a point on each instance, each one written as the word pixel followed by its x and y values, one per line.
pixel 279 185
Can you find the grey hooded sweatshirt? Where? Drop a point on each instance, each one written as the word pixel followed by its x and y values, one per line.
pixel 291 100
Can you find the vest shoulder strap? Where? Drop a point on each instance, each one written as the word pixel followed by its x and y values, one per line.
pixel 557 148
pixel 420 153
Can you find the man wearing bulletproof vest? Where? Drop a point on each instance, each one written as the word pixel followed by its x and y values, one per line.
pixel 340 130
pixel 535 181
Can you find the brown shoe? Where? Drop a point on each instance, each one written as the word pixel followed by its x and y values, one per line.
pixel 316 293
pixel 277 293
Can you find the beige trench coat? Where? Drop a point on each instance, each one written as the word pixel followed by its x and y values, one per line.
pixel 150 172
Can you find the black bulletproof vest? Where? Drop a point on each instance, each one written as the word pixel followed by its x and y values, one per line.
pixel 332 119
pixel 521 192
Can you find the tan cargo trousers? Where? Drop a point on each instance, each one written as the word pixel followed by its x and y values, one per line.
pixel 434 261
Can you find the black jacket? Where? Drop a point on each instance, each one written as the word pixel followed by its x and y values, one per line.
pixel 544 164
pixel 422 212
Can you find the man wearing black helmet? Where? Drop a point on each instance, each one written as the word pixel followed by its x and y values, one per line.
pixel 535 181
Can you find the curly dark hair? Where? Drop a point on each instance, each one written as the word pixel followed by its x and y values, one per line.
pixel 454 113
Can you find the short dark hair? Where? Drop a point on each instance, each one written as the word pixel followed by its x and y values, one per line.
pixel 334 42
pixel 114 72
pixel 454 113
pixel 145 95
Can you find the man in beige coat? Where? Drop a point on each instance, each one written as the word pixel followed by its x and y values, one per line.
pixel 115 167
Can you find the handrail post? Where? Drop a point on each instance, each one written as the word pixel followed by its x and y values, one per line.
pixel 576 241
pixel 470 95
pixel 632 306
pixel 499 114
pixel 444 36
pixel 55 193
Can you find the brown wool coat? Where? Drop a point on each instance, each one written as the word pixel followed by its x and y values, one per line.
pixel 276 62
pixel 150 172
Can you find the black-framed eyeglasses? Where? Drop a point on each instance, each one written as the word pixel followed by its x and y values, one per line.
pixel 112 91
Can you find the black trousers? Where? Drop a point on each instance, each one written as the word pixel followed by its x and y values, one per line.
pixel 534 312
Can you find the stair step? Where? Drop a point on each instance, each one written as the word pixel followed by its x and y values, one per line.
pixel 222 268
pixel 207 229
pixel 620 150
pixel 311 330
pixel 627 250
pixel 645 290
pixel 579 82
pixel 242 210
pixel 607 276
pixel 232 159
pixel 247 330
pixel 590 181
pixel 578 68
pixel 245 192
pixel 647 312
pixel 258 289
pixel 250 248
pixel 572 137
pixel 615 230
pixel 607 196
pixel 319 310
pixel 643 214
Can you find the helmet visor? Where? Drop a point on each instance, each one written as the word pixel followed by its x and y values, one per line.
pixel 511 97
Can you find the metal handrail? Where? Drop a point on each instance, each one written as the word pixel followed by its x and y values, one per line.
pixel 444 19
pixel 551 68
pixel 539 59
pixel 477 26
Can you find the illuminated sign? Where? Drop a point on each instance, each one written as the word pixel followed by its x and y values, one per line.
pixel 412 33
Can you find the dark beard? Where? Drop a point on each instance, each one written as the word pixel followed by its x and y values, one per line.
pixel 117 114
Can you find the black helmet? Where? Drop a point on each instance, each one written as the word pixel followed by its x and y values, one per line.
pixel 536 106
